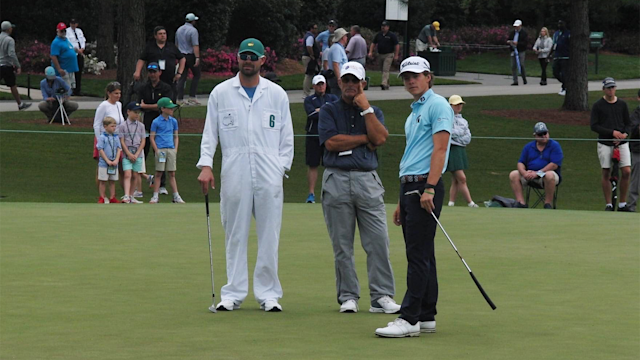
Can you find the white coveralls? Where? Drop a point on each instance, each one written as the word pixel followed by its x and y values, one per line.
pixel 256 140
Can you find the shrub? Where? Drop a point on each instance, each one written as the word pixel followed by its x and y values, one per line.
pixel 224 62
pixel 93 65
pixel 34 56
pixel 622 42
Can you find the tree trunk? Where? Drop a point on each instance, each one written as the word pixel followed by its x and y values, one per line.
pixel 130 43
pixel 104 49
pixel 577 84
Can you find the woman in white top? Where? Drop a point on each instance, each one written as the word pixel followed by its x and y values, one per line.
pixel 112 107
pixel 542 47
pixel 458 162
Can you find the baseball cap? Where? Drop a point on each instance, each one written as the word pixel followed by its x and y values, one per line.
pixel 455 100
pixel 436 25
pixel 61 26
pixel 385 23
pixel 272 76
pixel 133 106
pixel 6 25
pixel 165 102
pixel 338 34
pixel 191 17
pixel 540 128
pixel 50 72
pixel 608 82
pixel 73 21
pixel 517 23
pixel 251 45
pixel 153 66
pixel 354 68
pixel 318 79
pixel 333 22
pixel 414 64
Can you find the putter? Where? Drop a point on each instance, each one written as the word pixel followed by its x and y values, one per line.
pixel 212 308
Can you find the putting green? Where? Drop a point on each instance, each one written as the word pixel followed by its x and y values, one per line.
pixel 84 281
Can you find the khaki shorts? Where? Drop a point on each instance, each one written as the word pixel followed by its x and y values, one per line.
pixel 170 164
pixel 604 154
pixel 103 176
pixel 538 180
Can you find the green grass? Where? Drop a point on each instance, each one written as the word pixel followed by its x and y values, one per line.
pixel 82 281
pixel 617 66
pixel 9 96
pixel 52 167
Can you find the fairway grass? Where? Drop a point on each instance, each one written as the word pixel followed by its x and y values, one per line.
pixel 84 281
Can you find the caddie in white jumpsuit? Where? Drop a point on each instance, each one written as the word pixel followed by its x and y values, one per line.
pixel 250 116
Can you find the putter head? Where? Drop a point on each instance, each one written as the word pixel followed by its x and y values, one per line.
pixel 212 308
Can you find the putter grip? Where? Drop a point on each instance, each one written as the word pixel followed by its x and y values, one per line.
pixel 206 203
pixel 486 297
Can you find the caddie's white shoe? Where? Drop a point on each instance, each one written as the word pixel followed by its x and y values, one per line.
pixel 399 328
pixel 349 306
pixel 271 306
pixel 227 305
pixel 427 326
pixel 385 305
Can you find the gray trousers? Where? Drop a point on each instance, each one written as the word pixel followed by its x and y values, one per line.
pixel 349 197
pixel 632 199
pixel 514 67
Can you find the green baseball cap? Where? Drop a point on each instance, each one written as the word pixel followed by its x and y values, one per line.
pixel 252 45
pixel 165 102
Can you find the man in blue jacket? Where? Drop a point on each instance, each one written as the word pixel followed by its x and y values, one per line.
pixel 51 87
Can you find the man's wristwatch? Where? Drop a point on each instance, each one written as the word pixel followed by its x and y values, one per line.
pixel 429 186
pixel 368 111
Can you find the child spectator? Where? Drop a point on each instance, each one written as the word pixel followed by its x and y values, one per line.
pixel 164 140
pixel 132 139
pixel 109 149
pixel 458 163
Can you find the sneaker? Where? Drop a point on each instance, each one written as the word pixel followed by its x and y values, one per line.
pixel 524 81
pixel 194 102
pixel 271 306
pixel 521 205
pixel 178 200
pixel 472 205
pixel 514 84
pixel 227 305
pixel 126 199
pixel 154 200
pixel 138 194
pixel 113 200
pixel 548 206
pixel 451 203
pixel 349 306
pixel 399 328
pixel 106 201
pixel 311 199
pixel 608 208
pixel 133 200
pixel 150 180
pixel 428 327
pixel 562 92
pixel 181 103
pixel 163 191
pixel 23 106
pixel 625 209
pixel 385 305
pixel 102 200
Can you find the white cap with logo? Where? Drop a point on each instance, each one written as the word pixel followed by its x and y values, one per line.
pixel 354 68
pixel 318 79
pixel 517 23
pixel 414 64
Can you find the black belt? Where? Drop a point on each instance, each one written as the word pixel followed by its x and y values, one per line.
pixel 413 178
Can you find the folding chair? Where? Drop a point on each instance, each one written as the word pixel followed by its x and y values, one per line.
pixel 61 110
pixel 539 191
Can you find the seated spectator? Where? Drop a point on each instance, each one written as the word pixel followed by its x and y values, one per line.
pixel 52 86
pixel 539 162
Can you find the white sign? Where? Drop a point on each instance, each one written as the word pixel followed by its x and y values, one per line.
pixel 397 10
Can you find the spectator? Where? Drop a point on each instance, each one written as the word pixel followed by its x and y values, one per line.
pixel 251 155
pixel 561 45
pixel 51 87
pixel 540 162
pixel 428 35
pixel 634 147
pixel 357 48
pixel 323 37
pixel 164 139
pixel 76 36
pixel 388 50
pixel 189 45
pixel 63 56
pixel 166 55
pixel 132 139
pixel 351 129
pixel 458 163
pixel 337 58
pixel 109 149
pixel 312 105
pixel 309 57
pixel 519 42
pixel 542 47
pixel 9 64
pixel 111 107
pixel 610 119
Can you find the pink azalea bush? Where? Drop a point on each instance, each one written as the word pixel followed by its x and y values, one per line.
pixel 224 61
pixel 34 56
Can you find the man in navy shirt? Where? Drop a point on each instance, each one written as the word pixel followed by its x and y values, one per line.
pixel 539 162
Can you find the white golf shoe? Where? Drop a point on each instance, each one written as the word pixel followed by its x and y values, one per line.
pixel 349 306
pixel 227 305
pixel 387 306
pixel 427 326
pixel 271 305
pixel 399 328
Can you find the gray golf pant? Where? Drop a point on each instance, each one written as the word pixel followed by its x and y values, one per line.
pixel 349 197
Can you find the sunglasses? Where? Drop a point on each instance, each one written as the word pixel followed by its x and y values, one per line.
pixel 350 79
pixel 542 133
pixel 252 57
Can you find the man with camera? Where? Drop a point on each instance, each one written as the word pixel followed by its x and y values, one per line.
pixel 54 87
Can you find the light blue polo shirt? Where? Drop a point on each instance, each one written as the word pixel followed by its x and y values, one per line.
pixel 164 129
pixel 323 38
pixel 429 115
pixel 337 55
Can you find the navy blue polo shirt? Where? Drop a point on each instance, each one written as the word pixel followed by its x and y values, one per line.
pixel 341 118
pixel 311 103
pixel 534 159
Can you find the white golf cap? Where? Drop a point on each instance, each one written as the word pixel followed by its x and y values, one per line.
pixel 191 17
pixel 414 64
pixel 318 79
pixel 456 99
pixel 517 23
pixel 6 25
pixel 354 68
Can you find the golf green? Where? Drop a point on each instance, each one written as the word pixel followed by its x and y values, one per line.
pixel 88 281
